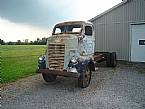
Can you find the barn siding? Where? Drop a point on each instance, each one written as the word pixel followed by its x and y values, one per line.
pixel 112 29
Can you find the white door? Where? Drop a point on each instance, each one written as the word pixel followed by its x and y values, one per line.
pixel 138 43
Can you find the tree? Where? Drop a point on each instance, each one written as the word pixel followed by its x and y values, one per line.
pixel 26 40
pixel 38 40
pixel 2 42
pixel 18 42
pixel 11 43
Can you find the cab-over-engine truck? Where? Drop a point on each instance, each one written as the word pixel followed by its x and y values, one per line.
pixel 70 53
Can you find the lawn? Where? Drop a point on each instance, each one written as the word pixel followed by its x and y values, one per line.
pixel 18 61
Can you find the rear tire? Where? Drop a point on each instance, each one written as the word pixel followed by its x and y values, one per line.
pixel 85 78
pixel 108 55
pixel 49 77
pixel 111 59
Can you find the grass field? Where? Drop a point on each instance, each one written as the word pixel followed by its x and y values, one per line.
pixel 18 61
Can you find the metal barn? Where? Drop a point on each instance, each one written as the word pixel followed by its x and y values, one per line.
pixel 121 29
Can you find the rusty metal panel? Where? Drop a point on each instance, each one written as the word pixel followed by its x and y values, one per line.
pixel 56 55
pixel 59 47
pixel 58 72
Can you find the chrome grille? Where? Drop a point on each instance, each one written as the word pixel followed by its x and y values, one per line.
pixel 56 55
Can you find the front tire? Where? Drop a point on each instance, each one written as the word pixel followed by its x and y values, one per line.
pixel 49 77
pixel 85 78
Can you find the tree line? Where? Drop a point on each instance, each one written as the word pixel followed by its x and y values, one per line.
pixel 38 41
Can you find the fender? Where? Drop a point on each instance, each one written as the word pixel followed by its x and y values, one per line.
pixel 91 65
pixel 81 66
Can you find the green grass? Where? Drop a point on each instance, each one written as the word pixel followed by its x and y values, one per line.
pixel 18 61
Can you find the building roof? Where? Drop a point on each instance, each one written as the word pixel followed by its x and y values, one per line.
pixel 109 10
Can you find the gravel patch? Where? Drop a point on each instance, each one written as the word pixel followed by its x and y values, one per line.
pixel 122 87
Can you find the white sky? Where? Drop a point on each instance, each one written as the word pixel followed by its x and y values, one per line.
pixel 10 31
pixel 77 10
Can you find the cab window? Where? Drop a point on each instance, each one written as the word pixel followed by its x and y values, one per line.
pixel 59 29
pixel 88 30
pixel 70 29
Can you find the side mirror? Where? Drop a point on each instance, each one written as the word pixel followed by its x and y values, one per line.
pixel 83 35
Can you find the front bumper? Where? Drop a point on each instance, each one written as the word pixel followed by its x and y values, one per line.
pixel 59 73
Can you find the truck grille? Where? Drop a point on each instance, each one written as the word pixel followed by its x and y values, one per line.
pixel 56 56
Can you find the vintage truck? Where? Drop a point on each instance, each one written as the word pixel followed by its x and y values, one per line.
pixel 70 53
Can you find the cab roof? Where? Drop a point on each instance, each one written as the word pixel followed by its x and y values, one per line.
pixel 75 22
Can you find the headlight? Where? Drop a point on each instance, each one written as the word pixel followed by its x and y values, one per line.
pixel 41 58
pixel 74 59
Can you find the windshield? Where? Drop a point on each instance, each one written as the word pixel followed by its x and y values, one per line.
pixel 60 29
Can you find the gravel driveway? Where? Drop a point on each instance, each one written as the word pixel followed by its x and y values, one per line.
pixel 122 87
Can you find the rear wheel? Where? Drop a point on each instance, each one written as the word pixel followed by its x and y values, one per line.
pixel 49 77
pixel 111 59
pixel 108 55
pixel 85 78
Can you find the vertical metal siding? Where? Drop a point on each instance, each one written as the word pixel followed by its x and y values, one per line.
pixel 112 29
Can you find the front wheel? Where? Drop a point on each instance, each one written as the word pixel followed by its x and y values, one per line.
pixel 85 78
pixel 49 77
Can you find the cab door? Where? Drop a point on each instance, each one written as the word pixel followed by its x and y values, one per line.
pixel 88 40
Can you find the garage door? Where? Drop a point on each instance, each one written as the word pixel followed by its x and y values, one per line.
pixel 138 43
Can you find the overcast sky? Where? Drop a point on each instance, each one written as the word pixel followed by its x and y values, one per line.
pixel 29 19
